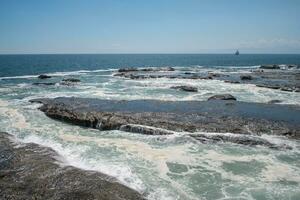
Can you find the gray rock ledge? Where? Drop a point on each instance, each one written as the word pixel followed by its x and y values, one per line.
pixel 153 117
pixel 30 171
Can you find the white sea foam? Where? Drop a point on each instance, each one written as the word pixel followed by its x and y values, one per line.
pixel 18 77
pixel 67 73
pixel 72 155
pixel 145 160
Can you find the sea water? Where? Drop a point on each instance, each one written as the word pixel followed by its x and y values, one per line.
pixel 161 167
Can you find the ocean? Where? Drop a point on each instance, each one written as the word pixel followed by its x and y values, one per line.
pixel 162 167
pixel 16 65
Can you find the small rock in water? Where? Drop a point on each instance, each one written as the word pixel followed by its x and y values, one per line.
pixel 185 88
pixel 150 69
pixel 43 76
pixel 130 69
pixel 222 97
pixel 73 80
pixel 214 74
pixel 275 87
pixel 275 101
pixel 287 89
pixel 269 67
pixel 246 77
pixel 229 81
pixel 43 83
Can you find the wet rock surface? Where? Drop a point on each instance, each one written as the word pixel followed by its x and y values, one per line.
pixel 153 117
pixel 269 67
pixel 72 80
pixel 222 97
pixel 275 101
pixel 185 88
pixel 44 83
pixel 238 139
pixel 285 78
pixel 30 171
pixel 44 76
pixel 246 77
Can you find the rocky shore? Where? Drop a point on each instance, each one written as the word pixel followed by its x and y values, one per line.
pixel 153 117
pixel 285 78
pixel 30 171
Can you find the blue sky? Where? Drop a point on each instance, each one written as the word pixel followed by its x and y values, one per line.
pixel 149 26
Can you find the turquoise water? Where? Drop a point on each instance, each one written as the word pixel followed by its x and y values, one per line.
pixel 161 167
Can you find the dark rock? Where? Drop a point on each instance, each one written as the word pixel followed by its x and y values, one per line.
pixel 119 74
pixel 43 76
pixel 269 67
pixel 149 69
pixel 268 86
pixel 162 117
pixel 230 81
pixel 292 66
pixel 155 69
pixel 275 101
pixel 147 130
pixel 185 88
pixel 30 171
pixel 287 89
pixel 222 97
pixel 236 138
pixel 73 80
pixel 168 69
pixel 43 83
pixel 131 69
pixel 257 71
pixel 246 77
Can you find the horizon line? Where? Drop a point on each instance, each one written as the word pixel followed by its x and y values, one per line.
pixel 3 54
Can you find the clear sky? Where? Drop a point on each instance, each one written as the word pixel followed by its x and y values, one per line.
pixel 149 26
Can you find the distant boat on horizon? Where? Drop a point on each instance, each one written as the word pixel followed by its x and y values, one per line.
pixel 237 53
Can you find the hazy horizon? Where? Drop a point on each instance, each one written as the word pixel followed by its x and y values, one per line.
pixel 156 27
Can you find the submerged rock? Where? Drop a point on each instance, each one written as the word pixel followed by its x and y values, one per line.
pixel 44 76
pixel 73 80
pixel 246 77
pixel 155 69
pixel 275 101
pixel 237 139
pixel 269 67
pixel 230 81
pixel 131 69
pixel 222 97
pixel 276 87
pixel 287 89
pixel 147 130
pixel 185 88
pixel 30 171
pixel 43 83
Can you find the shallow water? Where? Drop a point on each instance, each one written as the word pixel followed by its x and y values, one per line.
pixel 162 167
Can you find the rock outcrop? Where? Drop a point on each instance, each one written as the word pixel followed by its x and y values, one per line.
pixel 269 67
pixel 246 77
pixel 275 101
pixel 42 83
pixel 286 79
pixel 185 88
pixel 30 171
pixel 161 118
pixel 222 97
pixel 44 76
pixel 72 80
